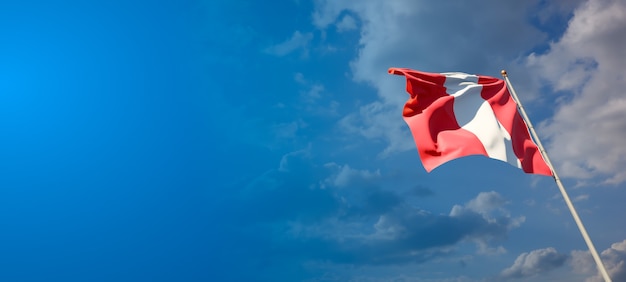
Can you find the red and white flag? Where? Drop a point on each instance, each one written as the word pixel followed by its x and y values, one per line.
pixel 452 115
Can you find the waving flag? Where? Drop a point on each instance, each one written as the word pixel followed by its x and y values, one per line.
pixel 452 115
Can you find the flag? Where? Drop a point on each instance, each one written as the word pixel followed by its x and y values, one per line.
pixel 452 115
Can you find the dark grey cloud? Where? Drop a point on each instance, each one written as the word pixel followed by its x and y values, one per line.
pixel 403 235
pixel 407 234
pixel 349 217
pixel 302 214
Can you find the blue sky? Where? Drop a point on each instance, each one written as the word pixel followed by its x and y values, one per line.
pixel 238 141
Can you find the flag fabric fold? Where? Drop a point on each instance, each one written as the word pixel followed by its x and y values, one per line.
pixel 453 115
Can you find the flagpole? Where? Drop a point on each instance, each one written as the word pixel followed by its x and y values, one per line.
pixel 579 223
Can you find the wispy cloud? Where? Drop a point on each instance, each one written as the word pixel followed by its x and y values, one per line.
pixel 298 41
pixel 345 175
pixel 347 23
pixel 314 98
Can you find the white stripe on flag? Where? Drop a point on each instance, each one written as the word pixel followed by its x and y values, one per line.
pixel 475 115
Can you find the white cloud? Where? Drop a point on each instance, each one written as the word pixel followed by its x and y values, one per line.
pixel 297 41
pixel 314 92
pixel 587 130
pixel 288 130
pixel 299 78
pixel 613 258
pixel 468 37
pixel 288 160
pixel 580 198
pixel 534 263
pixel 311 98
pixel 488 204
pixel 380 121
pixel 485 202
pixel 346 175
pixel 582 262
pixel 347 23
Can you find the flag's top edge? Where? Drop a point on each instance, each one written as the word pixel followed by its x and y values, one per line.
pixel 404 71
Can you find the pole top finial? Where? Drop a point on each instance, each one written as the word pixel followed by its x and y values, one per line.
pixel 503 72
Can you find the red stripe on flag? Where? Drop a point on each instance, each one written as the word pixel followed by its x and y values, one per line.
pixel 505 109
pixel 430 115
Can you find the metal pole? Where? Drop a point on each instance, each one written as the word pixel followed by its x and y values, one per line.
pixel 572 210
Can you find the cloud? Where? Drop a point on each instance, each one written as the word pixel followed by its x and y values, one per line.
pixel 347 23
pixel 289 192
pixel 401 233
pixel 297 41
pixel 339 215
pixel 401 34
pixel 490 206
pixel 313 93
pixel 581 198
pixel 288 130
pixel 314 98
pixel 585 63
pixel 486 202
pixel 378 121
pixel 534 263
pixel 299 78
pixel 613 258
pixel 347 175
pixel 468 37
pixel 585 135
pixel 556 10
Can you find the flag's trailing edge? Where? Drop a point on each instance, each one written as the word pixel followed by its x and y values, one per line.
pixel 452 115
